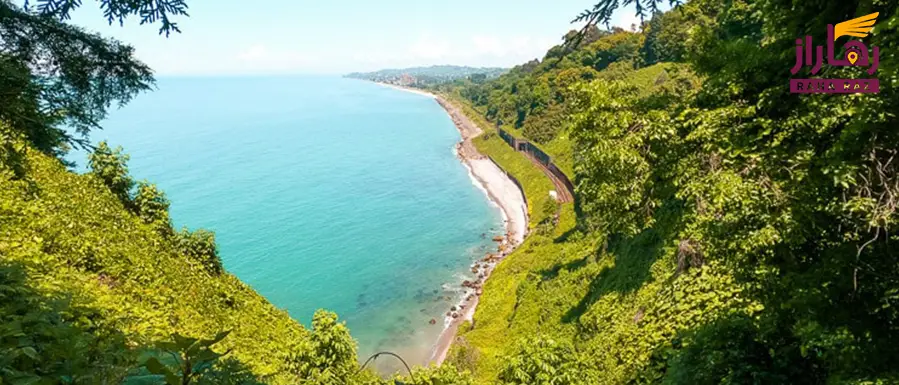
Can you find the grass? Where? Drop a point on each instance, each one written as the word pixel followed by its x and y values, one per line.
pixel 506 311
pixel 568 285
pixel 560 147
pixel 501 315
pixel 644 78
pixel 72 236
pixel 536 185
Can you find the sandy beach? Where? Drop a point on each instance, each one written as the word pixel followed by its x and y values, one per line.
pixel 408 89
pixel 501 191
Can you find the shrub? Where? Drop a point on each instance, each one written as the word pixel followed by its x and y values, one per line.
pixel 200 246
pixel 543 361
pixel 330 354
pixel 151 205
pixel 111 166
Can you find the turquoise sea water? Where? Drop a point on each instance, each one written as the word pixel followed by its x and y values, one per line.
pixel 323 193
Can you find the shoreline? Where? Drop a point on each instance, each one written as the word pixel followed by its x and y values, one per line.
pixel 407 89
pixel 502 192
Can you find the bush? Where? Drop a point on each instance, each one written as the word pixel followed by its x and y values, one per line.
pixel 550 212
pixel 43 339
pixel 330 354
pixel 151 205
pixel 111 166
pixel 200 246
pixel 543 361
pixel 442 375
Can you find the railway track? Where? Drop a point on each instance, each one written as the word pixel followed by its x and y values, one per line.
pixel 563 194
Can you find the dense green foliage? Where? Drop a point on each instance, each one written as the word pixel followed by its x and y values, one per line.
pixel 530 97
pixel 200 246
pixel 92 287
pixel 55 75
pixel 727 231
pixel 111 166
pixel 95 285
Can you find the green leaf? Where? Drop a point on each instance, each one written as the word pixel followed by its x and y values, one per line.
pixel 183 342
pixel 156 367
pixel 217 338
pixel 30 352
pixel 25 380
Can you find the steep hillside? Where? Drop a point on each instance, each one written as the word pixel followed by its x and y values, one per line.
pixel 726 230
pixel 92 285
pixel 539 294
pixel 71 236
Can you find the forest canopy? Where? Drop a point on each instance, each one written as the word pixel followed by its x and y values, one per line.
pixel 737 233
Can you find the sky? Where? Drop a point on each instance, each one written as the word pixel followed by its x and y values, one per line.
pixel 223 37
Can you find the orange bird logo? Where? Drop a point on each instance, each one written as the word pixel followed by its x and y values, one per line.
pixel 859 27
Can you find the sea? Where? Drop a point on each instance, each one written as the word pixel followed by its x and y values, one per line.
pixel 323 192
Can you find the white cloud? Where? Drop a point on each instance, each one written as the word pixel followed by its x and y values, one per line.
pixel 490 45
pixel 515 47
pixel 254 53
pixel 476 50
pixel 427 47
pixel 627 20
pixel 421 50
pixel 262 58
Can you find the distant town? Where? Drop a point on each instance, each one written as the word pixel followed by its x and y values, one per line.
pixel 425 76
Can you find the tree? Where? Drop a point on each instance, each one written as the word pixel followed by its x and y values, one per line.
pixel 13 148
pixel 793 194
pixel 152 207
pixel 618 46
pixel 55 75
pixel 601 13
pixel 111 166
pixel 550 212
pixel 149 11
pixel 614 174
pixel 200 246
pixel 330 357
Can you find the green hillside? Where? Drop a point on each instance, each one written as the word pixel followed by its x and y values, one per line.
pixel 71 237
pixel 725 232
pixel 89 290
pixel 429 76
pixel 96 287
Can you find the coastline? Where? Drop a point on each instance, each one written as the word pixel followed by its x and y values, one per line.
pixel 502 192
pixel 408 89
